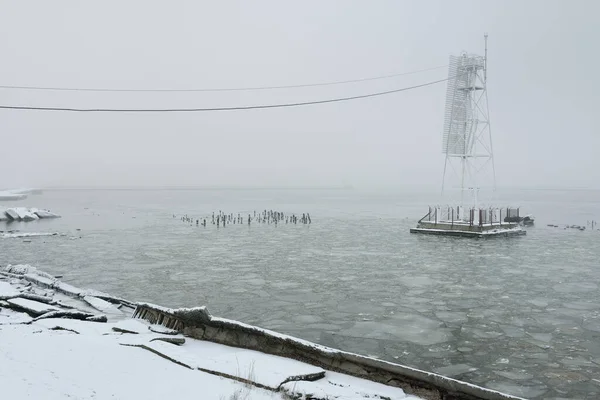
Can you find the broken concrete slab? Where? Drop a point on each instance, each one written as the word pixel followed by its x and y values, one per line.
pixel 102 305
pixel 31 307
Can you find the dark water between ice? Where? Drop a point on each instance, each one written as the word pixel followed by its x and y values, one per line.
pixel 521 315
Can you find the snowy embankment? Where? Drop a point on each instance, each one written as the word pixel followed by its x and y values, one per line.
pixel 24 214
pixel 59 341
pixel 17 194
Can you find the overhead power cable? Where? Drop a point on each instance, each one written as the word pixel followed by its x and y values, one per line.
pixel 251 107
pixel 66 89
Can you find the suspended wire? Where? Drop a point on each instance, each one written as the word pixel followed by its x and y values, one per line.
pixel 251 107
pixel 64 89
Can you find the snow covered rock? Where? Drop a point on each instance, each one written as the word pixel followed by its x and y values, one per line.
pixel 25 214
pixel 44 213
pixel 11 214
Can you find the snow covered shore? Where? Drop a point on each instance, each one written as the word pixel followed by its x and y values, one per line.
pixel 17 194
pixel 60 341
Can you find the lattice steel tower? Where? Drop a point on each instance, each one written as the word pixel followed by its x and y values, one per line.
pixel 467 139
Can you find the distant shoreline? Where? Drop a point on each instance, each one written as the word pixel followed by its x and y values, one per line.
pixel 207 188
pixel 301 188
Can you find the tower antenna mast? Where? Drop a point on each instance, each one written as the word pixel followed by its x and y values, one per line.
pixel 467 140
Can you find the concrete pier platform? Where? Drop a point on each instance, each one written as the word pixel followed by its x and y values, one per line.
pixel 463 229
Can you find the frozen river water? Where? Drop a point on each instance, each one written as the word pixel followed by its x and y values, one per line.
pixel 521 315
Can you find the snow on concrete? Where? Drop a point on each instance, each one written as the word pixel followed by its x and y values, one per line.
pixel 55 358
pixel 41 280
pixel 266 369
pixel 61 364
pixel 134 326
pixel 102 305
pixel 82 327
pixel 7 291
pixel 162 329
pixel 343 387
pixel 31 306
pixel 276 334
pixel 23 269
pixel 67 289
pixel 10 317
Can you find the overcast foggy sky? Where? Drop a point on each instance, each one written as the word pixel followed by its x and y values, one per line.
pixel 543 90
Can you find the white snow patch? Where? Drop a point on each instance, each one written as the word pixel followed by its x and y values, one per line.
pixel 7 291
pixel 266 369
pixel 343 387
pixel 102 305
pixel 57 365
pixel 22 269
pixel 24 214
pixel 32 306
pixel 82 327
pixel 8 317
pixel 132 325
pixel 44 213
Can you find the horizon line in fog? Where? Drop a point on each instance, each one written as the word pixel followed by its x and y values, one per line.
pixel 302 187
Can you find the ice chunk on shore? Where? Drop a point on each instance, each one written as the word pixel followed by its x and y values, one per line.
pixel 44 213
pixel 22 213
pixel 25 214
pixel 11 214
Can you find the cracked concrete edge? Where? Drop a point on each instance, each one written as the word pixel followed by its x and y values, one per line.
pixel 210 371
pixel 57 285
pixel 198 323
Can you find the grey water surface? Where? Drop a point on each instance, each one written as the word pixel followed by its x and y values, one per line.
pixel 520 315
